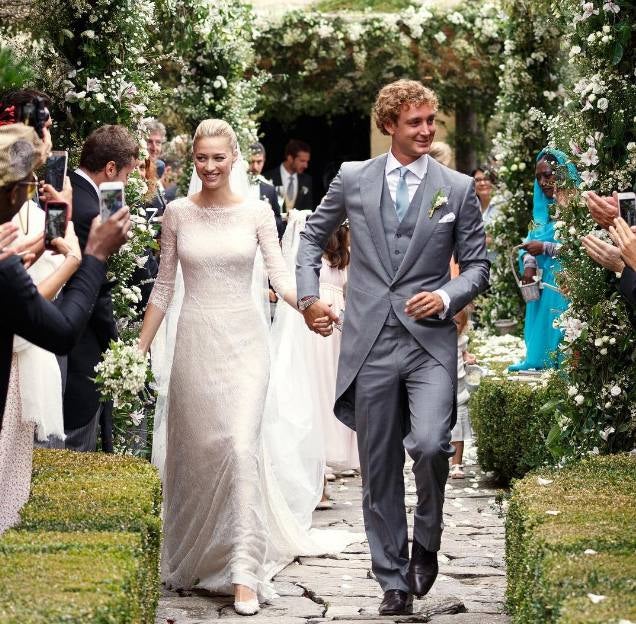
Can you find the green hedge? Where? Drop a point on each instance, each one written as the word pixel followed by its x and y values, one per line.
pixel 511 427
pixel 549 573
pixel 80 505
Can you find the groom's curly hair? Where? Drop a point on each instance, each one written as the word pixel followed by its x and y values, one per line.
pixel 394 96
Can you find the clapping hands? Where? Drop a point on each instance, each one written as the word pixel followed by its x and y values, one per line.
pixel 625 239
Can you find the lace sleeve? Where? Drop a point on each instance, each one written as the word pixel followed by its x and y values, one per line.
pixel 267 236
pixel 164 285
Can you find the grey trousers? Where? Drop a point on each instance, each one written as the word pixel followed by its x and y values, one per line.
pixel 404 400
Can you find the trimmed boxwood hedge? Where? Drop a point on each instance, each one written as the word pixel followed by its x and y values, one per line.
pixel 99 502
pixel 510 426
pixel 549 573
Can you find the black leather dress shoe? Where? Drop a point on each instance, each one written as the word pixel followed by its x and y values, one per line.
pixel 423 570
pixel 396 602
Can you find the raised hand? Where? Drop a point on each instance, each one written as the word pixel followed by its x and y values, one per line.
pixel 107 237
pixel 603 209
pixel 603 253
pixel 625 239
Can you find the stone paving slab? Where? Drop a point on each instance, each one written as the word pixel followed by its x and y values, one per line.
pixel 341 589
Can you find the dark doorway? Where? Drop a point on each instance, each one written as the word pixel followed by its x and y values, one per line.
pixel 332 141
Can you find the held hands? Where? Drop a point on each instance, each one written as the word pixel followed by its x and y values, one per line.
pixel 107 237
pixel 625 239
pixel 423 305
pixel 603 253
pixel 319 317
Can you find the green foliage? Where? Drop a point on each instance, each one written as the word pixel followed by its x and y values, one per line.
pixel 323 65
pixel 385 6
pixel 597 128
pixel 571 535
pixel 81 504
pixel 529 82
pixel 13 73
pixel 512 425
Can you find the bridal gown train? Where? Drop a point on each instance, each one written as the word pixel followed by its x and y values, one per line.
pixel 225 520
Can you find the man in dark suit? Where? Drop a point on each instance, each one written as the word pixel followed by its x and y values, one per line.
pixel 28 314
pixel 291 176
pixel 109 154
pixel 266 191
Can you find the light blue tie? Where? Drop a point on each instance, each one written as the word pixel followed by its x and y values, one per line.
pixel 402 195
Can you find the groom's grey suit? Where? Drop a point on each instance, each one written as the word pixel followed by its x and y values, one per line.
pixel 397 376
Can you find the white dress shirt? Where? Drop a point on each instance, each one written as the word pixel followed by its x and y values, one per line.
pixel 414 176
pixel 284 177
pixel 85 175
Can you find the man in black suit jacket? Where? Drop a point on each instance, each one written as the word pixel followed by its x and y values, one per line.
pixel 292 177
pixel 266 192
pixel 109 154
pixel 27 313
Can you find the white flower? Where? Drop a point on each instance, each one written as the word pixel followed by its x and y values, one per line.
pixel 611 7
pixel 579 399
pixel 598 342
pixel 612 340
pixel 440 37
pixel 607 432
pixel 589 551
pixel 589 177
pixel 603 351
pixel 596 598
pixel 615 390
pixel 572 230
pixel 590 157
pixel 572 390
pixel 606 28
pixel 136 418
pixel 602 104
pixel 574 50
pixel 89 34
pixel 522 166
pixel 543 482
pixel 100 97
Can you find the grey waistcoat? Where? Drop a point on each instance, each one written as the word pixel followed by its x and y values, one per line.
pixel 398 235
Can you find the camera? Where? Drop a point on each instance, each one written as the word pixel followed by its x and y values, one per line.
pixel 627 207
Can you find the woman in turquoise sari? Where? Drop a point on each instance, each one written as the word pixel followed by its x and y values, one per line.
pixel 539 252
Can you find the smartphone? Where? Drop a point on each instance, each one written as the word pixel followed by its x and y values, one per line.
pixel 627 207
pixel 111 198
pixel 55 172
pixel 55 220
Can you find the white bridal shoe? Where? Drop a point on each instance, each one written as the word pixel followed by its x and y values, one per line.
pixel 247 607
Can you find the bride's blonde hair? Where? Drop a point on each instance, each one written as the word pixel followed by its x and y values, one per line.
pixel 216 128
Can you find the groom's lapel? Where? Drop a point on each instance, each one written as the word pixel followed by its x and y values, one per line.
pixel 425 225
pixel 371 183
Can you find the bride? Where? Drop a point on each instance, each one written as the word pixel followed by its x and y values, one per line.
pixel 227 527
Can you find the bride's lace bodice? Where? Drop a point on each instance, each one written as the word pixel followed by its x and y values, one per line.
pixel 216 248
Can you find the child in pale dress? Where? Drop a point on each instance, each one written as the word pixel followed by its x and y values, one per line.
pixel 462 430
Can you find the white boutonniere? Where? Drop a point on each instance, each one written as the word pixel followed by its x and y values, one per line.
pixel 304 190
pixel 439 199
pixel 266 199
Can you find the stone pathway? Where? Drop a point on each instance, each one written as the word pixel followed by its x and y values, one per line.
pixel 469 589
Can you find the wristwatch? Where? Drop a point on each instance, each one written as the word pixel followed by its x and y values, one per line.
pixel 305 302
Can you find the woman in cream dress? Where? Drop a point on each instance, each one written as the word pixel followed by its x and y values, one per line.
pixel 227 528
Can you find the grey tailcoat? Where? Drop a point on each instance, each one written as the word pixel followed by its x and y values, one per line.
pixel 374 287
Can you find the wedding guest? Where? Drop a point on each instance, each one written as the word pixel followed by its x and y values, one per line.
pixel 266 192
pixel 604 210
pixel 155 137
pixel 30 315
pixel 442 153
pixel 290 176
pixel 463 429
pixel 484 186
pixel 109 154
pixel 340 443
pixel 625 239
pixel 34 399
pixel 540 252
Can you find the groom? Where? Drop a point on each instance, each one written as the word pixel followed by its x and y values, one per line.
pixel 397 372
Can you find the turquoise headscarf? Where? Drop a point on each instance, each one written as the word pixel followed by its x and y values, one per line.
pixel 541 338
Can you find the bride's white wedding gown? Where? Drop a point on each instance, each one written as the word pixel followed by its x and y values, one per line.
pixel 225 520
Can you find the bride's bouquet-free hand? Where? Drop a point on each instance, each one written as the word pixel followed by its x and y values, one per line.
pixel 123 377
